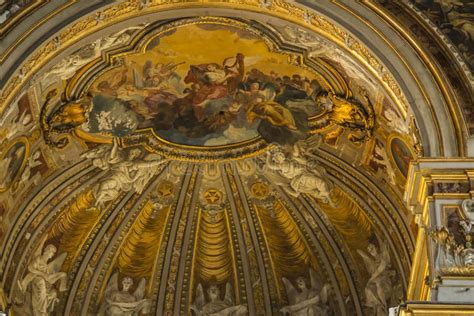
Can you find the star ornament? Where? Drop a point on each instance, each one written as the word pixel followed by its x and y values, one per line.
pixel 259 190
pixel 212 196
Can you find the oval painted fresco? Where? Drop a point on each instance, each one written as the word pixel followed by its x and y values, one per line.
pixel 401 155
pixel 206 85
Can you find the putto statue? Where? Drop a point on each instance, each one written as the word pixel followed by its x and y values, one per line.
pixel 126 171
pixel 379 286
pixel 304 300
pixel 216 306
pixel 122 302
pixel 41 285
pixel 298 171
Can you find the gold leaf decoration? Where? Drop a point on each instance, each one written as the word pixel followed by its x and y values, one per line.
pixel 135 258
pixel 214 262
pixel 73 226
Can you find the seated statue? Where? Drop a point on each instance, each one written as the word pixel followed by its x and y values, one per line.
pixel 122 302
pixel 304 300
pixel 216 306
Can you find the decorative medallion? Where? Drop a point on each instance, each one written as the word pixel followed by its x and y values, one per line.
pixel 213 196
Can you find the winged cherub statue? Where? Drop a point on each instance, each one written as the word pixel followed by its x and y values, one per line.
pixel 40 284
pixel 304 300
pixel 122 302
pixel 216 306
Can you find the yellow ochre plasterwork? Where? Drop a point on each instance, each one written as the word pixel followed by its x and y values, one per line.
pixel 133 8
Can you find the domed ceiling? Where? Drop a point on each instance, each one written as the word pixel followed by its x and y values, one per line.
pixel 206 165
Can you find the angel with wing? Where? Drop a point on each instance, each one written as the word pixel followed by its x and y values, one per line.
pixel 126 171
pixel 216 306
pixel 304 300
pixel 299 173
pixel 122 302
pixel 41 279
pixel 379 286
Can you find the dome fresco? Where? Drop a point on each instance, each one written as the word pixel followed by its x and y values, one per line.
pixel 206 164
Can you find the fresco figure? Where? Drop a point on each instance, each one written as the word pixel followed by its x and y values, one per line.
pixel 401 155
pixel 11 164
pixel 34 161
pixel 379 286
pixel 304 300
pixel 126 171
pixel 455 18
pixel 68 66
pixel 122 302
pixel 17 120
pixel 40 281
pixel 216 306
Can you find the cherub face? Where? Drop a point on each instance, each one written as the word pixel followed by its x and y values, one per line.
pixel 196 87
pixel 254 86
pixel 134 153
pixel 213 292
pixel 49 251
pixel 301 283
pixel 211 67
pixel 372 250
pixel 279 157
pixel 26 119
pixel 127 283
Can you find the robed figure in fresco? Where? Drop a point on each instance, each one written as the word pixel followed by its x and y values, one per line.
pixel 39 285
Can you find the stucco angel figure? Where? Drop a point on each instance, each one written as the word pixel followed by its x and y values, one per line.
pixel 39 285
pixel 67 67
pixel 127 171
pixel 122 302
pixel 379 286
pixel 304 300
pixel 299 171
pixel 216 306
